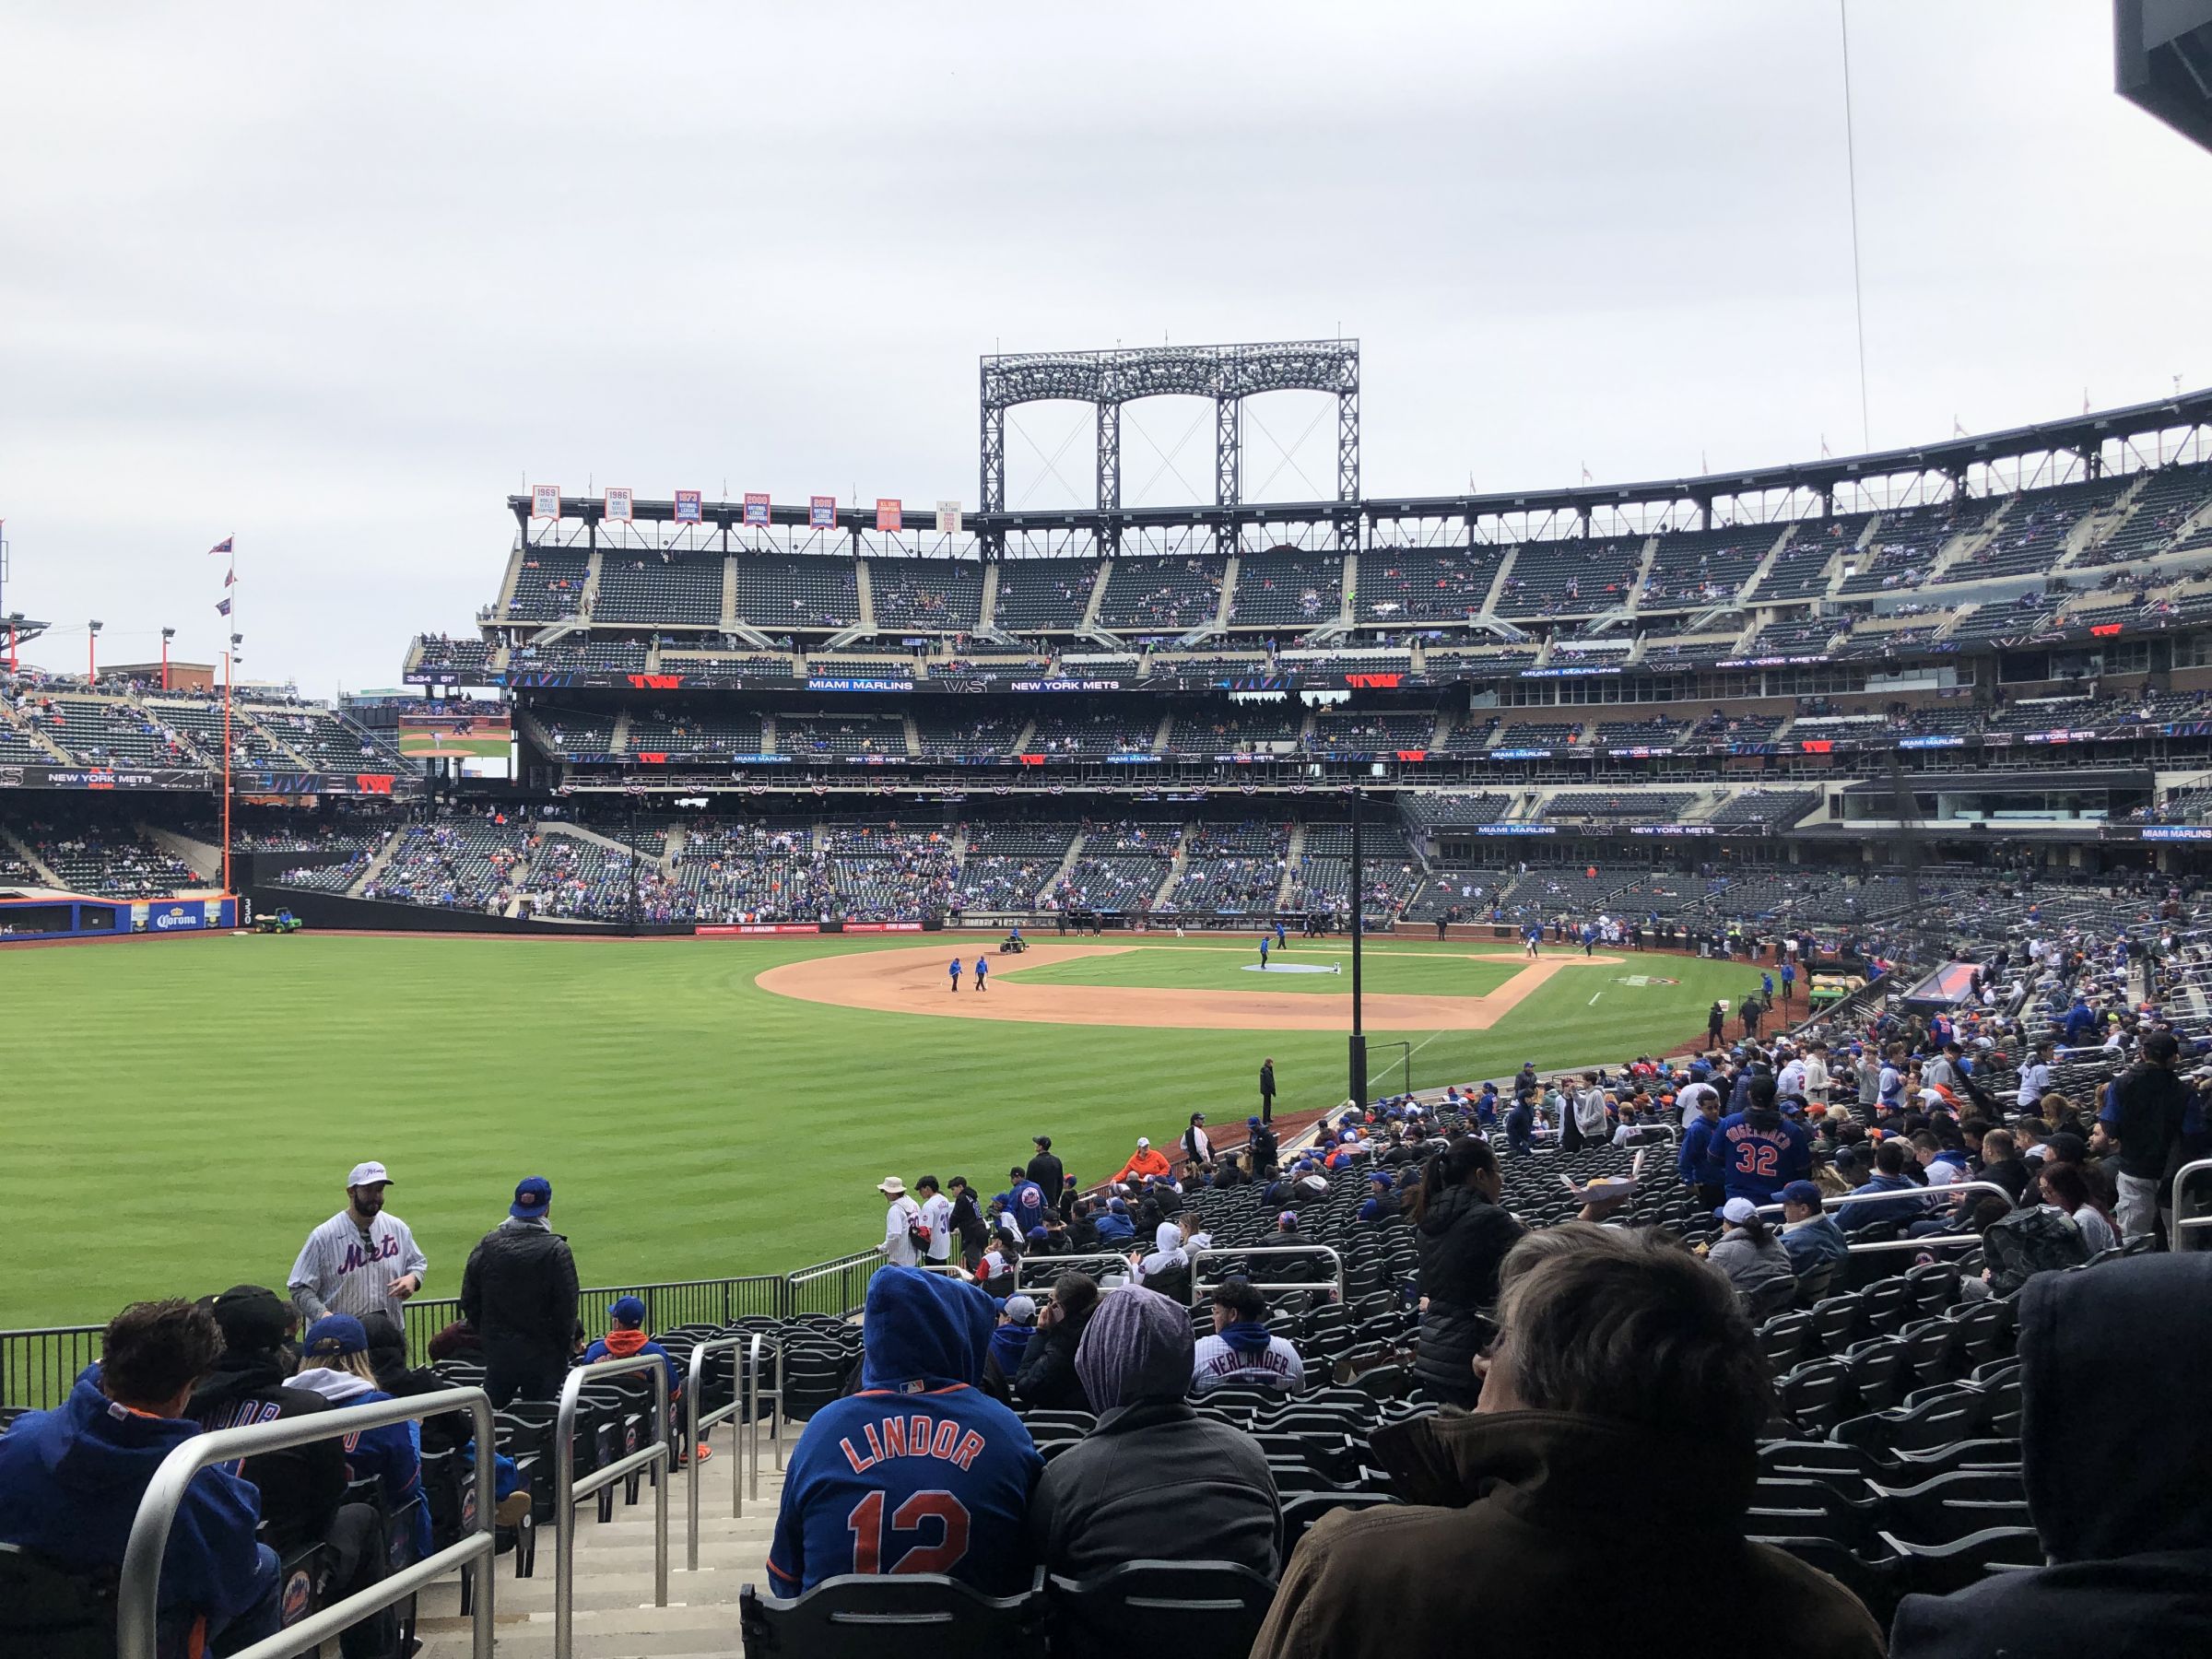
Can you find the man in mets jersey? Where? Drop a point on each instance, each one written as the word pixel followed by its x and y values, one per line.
pixel 918 1472
pixel 361 1261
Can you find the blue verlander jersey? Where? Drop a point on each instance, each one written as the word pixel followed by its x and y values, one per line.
pixel 914 1480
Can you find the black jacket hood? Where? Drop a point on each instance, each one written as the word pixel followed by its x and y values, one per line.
pixel 2115 1439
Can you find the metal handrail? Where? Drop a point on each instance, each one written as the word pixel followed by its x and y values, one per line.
pixel 568 1491
pixel 1069 1264
pixel 1926 1240
pixel 137 1592
pixel 696 1424
pixel 752 1420
pixel 2189 1220
pixel 1336 1261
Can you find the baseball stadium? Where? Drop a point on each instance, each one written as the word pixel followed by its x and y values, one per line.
pixel 1701 978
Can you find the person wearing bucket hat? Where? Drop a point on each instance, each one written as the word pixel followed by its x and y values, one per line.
pixel 360 1261
pixel 902 1244
pixel 519 1293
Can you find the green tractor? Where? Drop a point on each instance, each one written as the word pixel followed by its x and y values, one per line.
pixel 283 921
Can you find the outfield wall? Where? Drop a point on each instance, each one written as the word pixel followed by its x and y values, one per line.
pixel 69 916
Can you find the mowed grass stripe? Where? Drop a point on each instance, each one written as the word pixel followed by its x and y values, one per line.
pixel 185 1111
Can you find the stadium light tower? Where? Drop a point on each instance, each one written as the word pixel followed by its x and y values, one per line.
pixel 91 654
pixel 167 635
pixel 1358 1078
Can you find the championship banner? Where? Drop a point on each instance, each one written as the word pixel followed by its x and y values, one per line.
pixel 756 508
pixel 949 518
pixel 544 501
pixel 616 509
pixel 687 507
pixel 821 513
pixel 888 516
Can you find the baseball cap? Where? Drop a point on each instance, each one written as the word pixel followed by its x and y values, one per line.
pixel 1801 1192
pixel 1252 1123
pixel 1021 1310
pixel 1288 1219
pixel 892 1186
pixel 1738 1210
pixel 253 1318
pixel 1141 1144
pixel 1044 1141
pixel 1380 1178
pixel 532 1197
pixel 334 1336
pixel 368 1174
pixel 627 1310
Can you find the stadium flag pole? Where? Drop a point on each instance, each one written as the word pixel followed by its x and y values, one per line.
pixel 229 644
pixel 1359 1043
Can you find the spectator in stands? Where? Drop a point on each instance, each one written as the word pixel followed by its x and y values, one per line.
pixel 2128 1534
pixel 967 1223
pixel 1115 1227
pixel 1009 1340
pixel 902 1224
pixel 360 1261
pixel 1758 1150
pixel 70 1480
pixel 1888 1177
pixel 2137 1129
pixel 1699 1161
pixel 1809 1234
pixel 627 1338
pixel 1167 1268
pixel 1627 1384
pixel 1152 1480
pixel 1045 1169
pixel 1197 1146
pixel 881 1478
pixel 1144 1164
pixel 2065 1187
pixel 1242 1351
pixel 1463 1236
pixel 519 1291
pixel 1047 1378
pixel 1382 1206
pixel 1752 1259
pixel 937 1217
pixel 334 1362
pixel 1260 1144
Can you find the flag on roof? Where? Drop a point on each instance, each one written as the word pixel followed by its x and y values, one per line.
pixel 222 547
pixel 230 576
pixel 223 608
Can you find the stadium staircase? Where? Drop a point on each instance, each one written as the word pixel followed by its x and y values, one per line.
pixel 615 1615
pixel 37 739
pixel 1759 573
pixel 1074 856
pixel 205 859
pixel 1966 543
pixel 986 619
pixel 1089 627
pixel 1176 866
pixel 617 742
pixel 1348 609
pixel 1441 734
pixel 1293 856
pixel 863 585
pixel 733 626
pixel 39 867
pixel 912 734
pixel 505 602
pixel 1159 735
pixel 377 864
pixel 1028 729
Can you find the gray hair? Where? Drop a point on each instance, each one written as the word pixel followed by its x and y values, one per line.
pixel 1627 1325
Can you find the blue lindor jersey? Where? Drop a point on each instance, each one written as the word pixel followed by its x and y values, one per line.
pixel 1758 1163
pixel 918 1472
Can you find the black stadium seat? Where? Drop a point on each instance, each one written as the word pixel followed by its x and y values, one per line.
pixel 862 1615
pixel 53 1614
pixel 1193 1609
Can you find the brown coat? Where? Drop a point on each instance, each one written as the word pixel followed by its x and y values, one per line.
pixel 1551 1537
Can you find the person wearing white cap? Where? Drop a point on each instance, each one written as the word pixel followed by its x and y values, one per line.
pixel 1753 1259
pixel 362 1260
pixel 902 1218
pixel 1144 1163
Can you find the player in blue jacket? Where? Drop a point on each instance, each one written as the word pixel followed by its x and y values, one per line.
pixel 1267 941
pixel 983 971
pixel 955 972
pixel 918 1472
pixel 1760 1151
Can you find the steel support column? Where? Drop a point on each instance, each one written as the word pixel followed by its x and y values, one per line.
pixel 1228 466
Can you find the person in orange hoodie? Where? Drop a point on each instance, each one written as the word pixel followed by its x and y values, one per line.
pixel 1144 1163
pixel 626 1340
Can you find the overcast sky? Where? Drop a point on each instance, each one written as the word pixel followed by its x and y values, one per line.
pixel 338 280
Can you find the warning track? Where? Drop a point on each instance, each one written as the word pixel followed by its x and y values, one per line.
pixel 913 982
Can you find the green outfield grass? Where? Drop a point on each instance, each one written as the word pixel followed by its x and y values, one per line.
pixel 183 1111
pixel 1215 967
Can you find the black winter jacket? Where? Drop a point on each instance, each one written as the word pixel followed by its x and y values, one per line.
pixel 519 1291
pixel 1047 1377
pixel 1155 1482
pixel 301 1487
pixel 1462 1240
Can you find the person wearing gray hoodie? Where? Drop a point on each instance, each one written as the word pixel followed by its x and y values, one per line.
pixel 1152 1480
